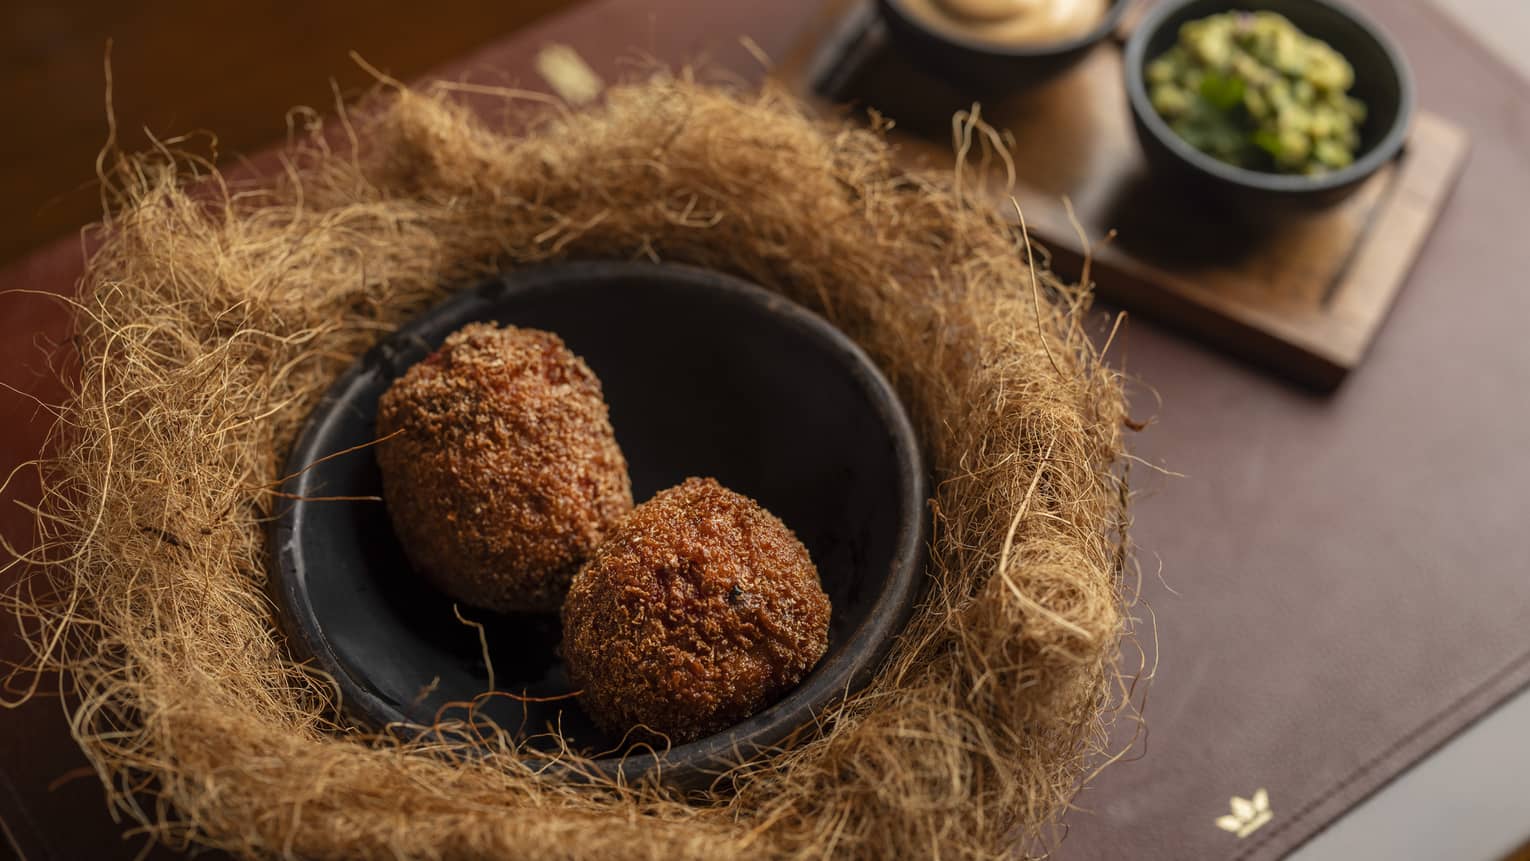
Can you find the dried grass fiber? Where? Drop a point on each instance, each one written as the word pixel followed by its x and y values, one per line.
pixel 210 323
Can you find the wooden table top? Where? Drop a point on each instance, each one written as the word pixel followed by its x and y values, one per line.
pixel 180 65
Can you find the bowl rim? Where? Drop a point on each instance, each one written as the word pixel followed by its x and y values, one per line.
pixel 691 764
pixel 1044 50
pixel 1384 150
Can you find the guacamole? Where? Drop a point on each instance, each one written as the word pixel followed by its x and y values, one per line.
pixel 1252 90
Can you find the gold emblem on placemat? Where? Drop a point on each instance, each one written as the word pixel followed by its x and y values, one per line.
pixel 1248 814
pixel 568 74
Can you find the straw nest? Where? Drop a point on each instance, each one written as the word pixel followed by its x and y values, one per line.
pixel 212 318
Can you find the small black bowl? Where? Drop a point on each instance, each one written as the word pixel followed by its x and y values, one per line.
pixel 1382 81
pixel 984 68
pixel 705 375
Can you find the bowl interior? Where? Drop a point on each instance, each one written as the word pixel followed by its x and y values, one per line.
pixel 704 375
pixel 983 47
pixel 1381 80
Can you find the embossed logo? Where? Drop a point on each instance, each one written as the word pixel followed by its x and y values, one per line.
pixel 1248 814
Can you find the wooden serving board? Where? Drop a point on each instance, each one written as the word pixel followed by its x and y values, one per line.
pixel 1304 299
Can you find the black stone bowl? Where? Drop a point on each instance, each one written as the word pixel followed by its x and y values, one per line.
pixel 705 375
pixel 984 68
pixel 1382 81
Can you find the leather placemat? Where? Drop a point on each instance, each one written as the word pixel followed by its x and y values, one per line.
pixel 1343 587
pixel 1343 582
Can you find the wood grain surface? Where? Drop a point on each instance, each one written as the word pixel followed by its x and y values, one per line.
pixel 1305 298
pixel 180 65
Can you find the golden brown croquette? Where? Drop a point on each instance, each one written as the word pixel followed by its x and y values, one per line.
pixel 700 609
pixel 506 475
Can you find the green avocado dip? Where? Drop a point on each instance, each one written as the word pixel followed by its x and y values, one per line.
pixel 1250 89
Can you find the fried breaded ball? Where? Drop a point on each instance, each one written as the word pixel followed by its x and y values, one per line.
pixel 506 475
pixel 700 609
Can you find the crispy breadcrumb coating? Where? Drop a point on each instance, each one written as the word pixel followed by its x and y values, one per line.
pixel 507 474
pixel 699 610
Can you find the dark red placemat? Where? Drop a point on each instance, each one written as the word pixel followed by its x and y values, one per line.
pixel 1343 582
pixel 1348 589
